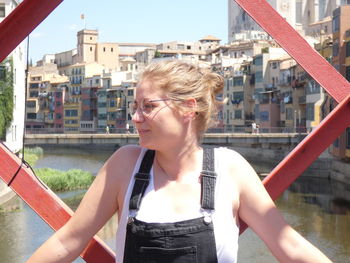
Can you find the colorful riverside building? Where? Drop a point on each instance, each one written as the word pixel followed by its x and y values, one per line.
pixel 341 61
pixel 80 75
pixel 113 100
pixel 46 93
pixel 88 120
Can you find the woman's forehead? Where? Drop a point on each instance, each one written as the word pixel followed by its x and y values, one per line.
pixel 147 89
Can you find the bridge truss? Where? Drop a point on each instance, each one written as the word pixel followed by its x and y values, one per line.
pixel 30 13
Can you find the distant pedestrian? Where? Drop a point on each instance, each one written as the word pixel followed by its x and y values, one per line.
pixel 254 128
pixel 107 129
pixel 127 128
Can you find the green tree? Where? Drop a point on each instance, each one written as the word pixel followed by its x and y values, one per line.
pixel 6 96
pixel 157 54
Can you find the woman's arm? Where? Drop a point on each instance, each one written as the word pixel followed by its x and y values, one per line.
pixel 258 210
pixel 98 205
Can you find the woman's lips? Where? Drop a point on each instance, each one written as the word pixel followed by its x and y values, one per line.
pixel 143 131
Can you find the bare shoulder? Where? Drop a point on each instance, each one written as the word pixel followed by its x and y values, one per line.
pixel 119 168
pixel 122 162
pixel 240 171
pixel 124 156
pixel 239 168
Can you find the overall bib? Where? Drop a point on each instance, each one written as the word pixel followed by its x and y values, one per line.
pixel 186 241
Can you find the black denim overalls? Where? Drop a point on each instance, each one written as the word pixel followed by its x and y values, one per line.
pixel 179 242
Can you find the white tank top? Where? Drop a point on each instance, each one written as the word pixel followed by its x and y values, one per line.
pixel 225 228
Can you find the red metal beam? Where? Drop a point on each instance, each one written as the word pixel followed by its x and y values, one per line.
pixel 22 21
pixel 297 47
pixel 45 203
pixel 302 156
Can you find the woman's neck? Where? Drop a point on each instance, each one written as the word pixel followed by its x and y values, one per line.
pixel 178 162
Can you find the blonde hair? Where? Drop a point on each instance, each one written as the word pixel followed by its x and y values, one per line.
pixel 182 81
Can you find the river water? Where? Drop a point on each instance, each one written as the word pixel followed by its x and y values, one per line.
pixel 317 208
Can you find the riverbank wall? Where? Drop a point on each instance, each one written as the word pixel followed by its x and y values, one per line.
pixel 8 198
pixel 325 166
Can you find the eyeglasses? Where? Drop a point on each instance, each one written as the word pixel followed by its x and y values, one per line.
pixel 146 106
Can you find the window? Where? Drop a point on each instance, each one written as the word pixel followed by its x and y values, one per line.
pixel 2 10
pixel 336 143
pixel 111 49
pixel 347 74
pixel 348 138
pixel 102 116
pixel 130 92
pixel 58 116
pixel 112 103
pixel 34 85
pixel 336 48
pixel 71 122
pixel 58 104
pixel 2 72
pixel 258 61
pixel 90 48
pixel 33 94
pixel 347 48
pixel 71 113
pixel 264 116
pixel 258 76
pixel 104 49
pixel 31 116
pixel 238 81
pixel 31 104
pixel 336 20
pixel 289 114
pixel 238 114
pixel 310 115
pixel 238 96
pixel 313 88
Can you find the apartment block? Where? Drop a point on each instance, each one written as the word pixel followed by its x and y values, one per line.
pixel 46 90
pixel 300 14
pixel 15 65
pixel 341 61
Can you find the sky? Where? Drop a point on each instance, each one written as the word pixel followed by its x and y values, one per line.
pixel 142 21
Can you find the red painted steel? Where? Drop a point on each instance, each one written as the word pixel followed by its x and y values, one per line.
pixel 289 169
pixel 21 21
pixel 302 156
pixel 46 204
pixel 308 58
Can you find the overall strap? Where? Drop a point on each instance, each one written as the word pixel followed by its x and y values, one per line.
pixel 208 180
pixel 141 180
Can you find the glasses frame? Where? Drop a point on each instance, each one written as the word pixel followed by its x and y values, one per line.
pixel 133 110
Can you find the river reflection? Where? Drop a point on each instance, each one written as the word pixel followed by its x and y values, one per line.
pixel 317 208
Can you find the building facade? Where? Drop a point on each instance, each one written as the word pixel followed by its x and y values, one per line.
pixel 16 64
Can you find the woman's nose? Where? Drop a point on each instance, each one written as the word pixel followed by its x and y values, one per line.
pixel 138 116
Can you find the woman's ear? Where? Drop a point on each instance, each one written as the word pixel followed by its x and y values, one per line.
pixel 190 113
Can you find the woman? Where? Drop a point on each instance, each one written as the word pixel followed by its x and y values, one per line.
pixel 177 203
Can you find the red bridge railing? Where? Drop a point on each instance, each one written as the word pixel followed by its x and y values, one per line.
pixel 30 13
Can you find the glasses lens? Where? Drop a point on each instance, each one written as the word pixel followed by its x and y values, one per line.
pixel 132 108
pixel 146 107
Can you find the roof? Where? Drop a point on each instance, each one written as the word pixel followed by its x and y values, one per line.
pixel 210 37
